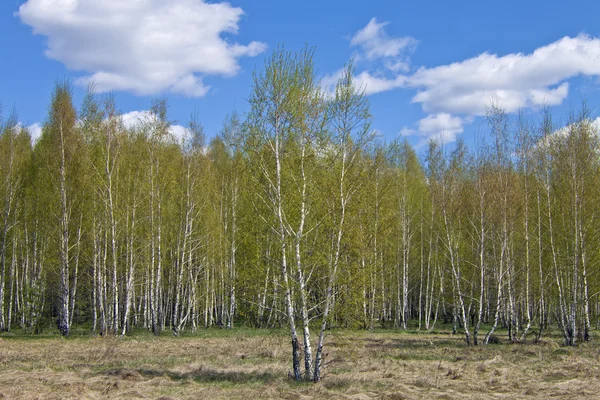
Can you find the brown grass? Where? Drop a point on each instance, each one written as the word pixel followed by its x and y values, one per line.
pixel 360 365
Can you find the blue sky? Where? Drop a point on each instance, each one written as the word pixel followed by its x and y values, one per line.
pixel 430 67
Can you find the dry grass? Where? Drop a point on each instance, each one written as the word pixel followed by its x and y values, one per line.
pixel 255 364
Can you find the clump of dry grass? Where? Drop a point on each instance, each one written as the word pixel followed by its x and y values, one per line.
pixel 359 364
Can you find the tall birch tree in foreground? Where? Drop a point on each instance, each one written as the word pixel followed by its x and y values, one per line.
pixel 350 133
pixel 281 133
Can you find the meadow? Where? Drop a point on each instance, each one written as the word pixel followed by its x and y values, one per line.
pixel 251 363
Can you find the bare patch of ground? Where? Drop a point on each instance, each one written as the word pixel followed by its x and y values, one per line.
pixel 255 364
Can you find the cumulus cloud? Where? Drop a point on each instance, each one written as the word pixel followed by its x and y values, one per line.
pixel 135 119
pixel 441 124
pixel 387 56
pixel 131 120
pixel 370 83
pixel 375 43
pixel 35 130
pixel 142 46
pixel 376 84
pixel 180 133
pixel 442 127
pixel 512 81
pixel 452 93
pixel 329 81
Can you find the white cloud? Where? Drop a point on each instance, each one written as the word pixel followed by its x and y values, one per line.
pixel 376 43
pixel 397 66
pixel 388 55
pixel 559 136
pixel 366 81
pixel 135 119
pixel 467 88
pixel 35 130
pixel 441 126
pixel 131 120
pixel 512 81
pixel 180 133
pixel 328 82
pixel 376 84
pixel 142 46
pixel 408 131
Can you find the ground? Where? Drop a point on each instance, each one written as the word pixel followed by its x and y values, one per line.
pixel 253 364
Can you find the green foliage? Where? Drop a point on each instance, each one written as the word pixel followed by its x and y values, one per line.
pixel 148 233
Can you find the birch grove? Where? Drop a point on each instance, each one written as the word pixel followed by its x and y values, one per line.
pixel 298 215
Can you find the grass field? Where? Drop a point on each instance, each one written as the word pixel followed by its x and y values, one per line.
pixel 252 364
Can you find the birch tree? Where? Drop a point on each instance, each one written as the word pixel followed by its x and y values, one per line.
pixel 279 132
pixel 350 134
pixel 10 184
pixel 62 153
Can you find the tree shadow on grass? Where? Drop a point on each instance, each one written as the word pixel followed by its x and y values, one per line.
pixel 403 343
pixel 199 375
